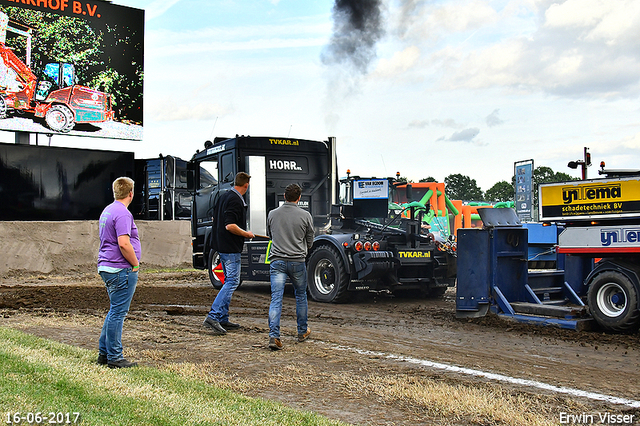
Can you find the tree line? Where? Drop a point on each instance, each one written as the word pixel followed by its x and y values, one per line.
pixel 460 187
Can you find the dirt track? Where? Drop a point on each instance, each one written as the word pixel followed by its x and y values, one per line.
pixel 361 341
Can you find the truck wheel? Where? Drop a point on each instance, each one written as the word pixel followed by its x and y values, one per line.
pixel 216 275
pixel 59 118
pixel 3 107
pixel 327 276
pixel 613 302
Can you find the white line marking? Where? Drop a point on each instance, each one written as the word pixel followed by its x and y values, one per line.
pixel 499 377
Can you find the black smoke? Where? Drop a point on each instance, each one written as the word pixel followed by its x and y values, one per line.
pixel 357 27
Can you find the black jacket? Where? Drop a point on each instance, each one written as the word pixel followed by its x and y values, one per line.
pixel 230 209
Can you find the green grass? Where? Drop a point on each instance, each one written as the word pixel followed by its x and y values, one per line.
pixel 40 375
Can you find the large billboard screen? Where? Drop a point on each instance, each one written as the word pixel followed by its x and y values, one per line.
pixel 71 67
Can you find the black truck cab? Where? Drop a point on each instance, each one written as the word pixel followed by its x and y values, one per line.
pixel 273 163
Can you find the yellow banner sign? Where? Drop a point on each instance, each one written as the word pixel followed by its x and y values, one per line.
pixel 585 199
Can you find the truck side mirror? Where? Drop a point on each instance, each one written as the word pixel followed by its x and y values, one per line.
pixel 409 190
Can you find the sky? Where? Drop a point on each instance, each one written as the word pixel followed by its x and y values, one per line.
pixel 424 88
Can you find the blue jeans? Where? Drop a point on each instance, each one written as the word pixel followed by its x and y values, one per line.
pixel 297 272
pixel 231 267
pixel 120 286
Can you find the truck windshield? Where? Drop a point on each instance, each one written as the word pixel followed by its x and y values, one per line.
pixel 68 75
pixel 52 71
pixel 400 194
pixel 208 174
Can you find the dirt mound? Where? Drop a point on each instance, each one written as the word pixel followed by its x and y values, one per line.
pixel 59 247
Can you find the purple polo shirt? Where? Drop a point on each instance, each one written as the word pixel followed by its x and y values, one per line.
pixel 116 220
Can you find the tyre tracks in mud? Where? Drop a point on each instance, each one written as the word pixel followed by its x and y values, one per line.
pixel 420 329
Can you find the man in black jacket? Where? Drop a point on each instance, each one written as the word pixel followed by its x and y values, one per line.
pixel 229 236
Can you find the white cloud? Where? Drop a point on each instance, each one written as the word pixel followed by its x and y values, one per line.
pixel 157 8
pixel 419 124
pixel 419 20
pixel 632 142
pixel 447 122
pixel 497 65
pixel 585 48
pixel 599 20
pixel 465 135
pixel 398 64
pixel 493 119
pixel 580 13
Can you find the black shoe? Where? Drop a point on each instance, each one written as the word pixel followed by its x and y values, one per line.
pixel 214 327
pixel 304 336
pixel 275 344
pixel 121 363
pixel 230 325
pixel 102 359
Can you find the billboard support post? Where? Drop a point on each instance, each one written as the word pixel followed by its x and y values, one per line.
pixel 22 138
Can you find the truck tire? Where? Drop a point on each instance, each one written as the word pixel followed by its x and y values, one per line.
pixel 213 263
pixel 59 118
pixel 613 302
pixel 3 107
pixel 327 276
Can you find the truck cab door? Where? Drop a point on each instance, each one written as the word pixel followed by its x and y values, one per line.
pixel 214 174
pixel 206 186
pixel 48 82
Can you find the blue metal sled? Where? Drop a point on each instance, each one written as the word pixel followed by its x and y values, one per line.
pixel 494 274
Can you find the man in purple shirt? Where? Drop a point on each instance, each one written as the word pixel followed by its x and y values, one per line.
pixel 118 264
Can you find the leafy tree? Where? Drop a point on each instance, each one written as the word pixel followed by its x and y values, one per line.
pixel 123 74
pixel 501 191
pixel 428 179
pixel 460 187
pixel 56 39
pixel 543 174
pixel 403 179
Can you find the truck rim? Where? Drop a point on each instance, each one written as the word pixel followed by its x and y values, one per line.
pixel 324 276
pixel 58 119
pixel 611 299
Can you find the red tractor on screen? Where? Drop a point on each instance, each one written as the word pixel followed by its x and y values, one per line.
pixel 54 96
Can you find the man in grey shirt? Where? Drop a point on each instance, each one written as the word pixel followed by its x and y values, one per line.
pixel 291 232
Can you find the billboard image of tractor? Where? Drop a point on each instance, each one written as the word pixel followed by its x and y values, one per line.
pixel 54 95
pixel 74 70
